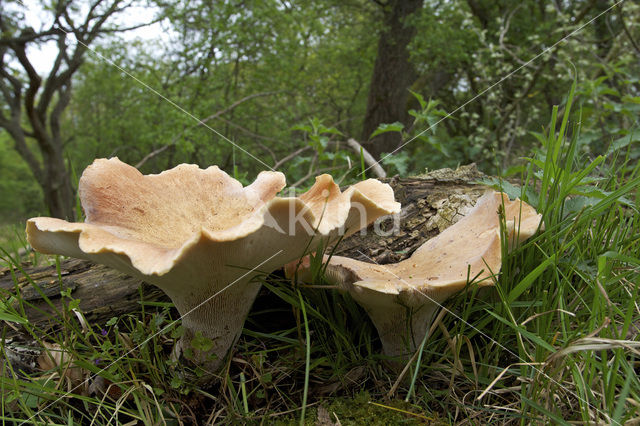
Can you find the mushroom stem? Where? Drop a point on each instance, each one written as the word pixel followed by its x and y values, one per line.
pixel 212 325
pixel 401 328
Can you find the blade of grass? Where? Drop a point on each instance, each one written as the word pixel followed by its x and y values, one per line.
pixel 307 359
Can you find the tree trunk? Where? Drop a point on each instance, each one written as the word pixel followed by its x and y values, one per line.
pixel 429 205
pixel 392 76
pixel 57 189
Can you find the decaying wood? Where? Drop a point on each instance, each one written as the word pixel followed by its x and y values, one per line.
pixel 103 292
pixel 430 204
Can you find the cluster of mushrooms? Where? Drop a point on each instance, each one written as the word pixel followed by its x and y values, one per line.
pixel 203 238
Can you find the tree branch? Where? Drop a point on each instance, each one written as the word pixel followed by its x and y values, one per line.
pixel 12 100
pixel 96 29
pixel 254 135
pixel 54 81
pixel 90 16
pixel 248 132
pixel 371 162
pixel 134 27
pixel 29 36
pixel 64 97
pixel 235 105
pixel 36 120
pixel 290 156
pixel 626 30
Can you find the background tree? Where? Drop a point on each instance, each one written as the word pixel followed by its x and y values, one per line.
pixel 393 75
pixel 33 105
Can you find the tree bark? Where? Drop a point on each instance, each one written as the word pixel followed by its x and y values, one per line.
pixel 430 204
pixel 392 76
pixel 59 195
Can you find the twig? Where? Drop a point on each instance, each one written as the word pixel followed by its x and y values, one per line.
pixel 505 29
pixel 371 162
pixel 290 156
pixel 249 132
pixel 626 30
pixel 133 27
pixel 153 153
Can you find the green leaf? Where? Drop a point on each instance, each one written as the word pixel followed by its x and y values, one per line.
pixel 419 98
pixel 12 318
pixel 577 204
pixel 302 128
pixel 74 304
pixel 201 343
pixel 623 142
pixel 177 332
pixel 384 128
pixel 267 378
pixel 502 185
pixel 399 161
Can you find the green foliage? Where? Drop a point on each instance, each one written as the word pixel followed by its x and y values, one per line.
pixel 217 63
pixel 20 195
pixel 396 163
pixel 317 134
pixel 610 110
pixel 324 157
pixel 424 139
pixel 384 128
pixel 497 67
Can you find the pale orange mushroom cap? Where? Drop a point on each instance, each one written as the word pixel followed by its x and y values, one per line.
pixel 198 233
pixel 402 298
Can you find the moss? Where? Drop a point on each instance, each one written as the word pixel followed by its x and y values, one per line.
pixel 362 409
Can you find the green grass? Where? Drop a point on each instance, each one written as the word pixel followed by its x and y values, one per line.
pixel 14 244
pixel 556 341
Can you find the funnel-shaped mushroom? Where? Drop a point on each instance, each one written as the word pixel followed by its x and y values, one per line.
pixel 402 298
pixel 201 237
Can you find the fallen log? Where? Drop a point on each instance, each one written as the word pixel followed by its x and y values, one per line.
pixel 103 292
pixel 430 204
